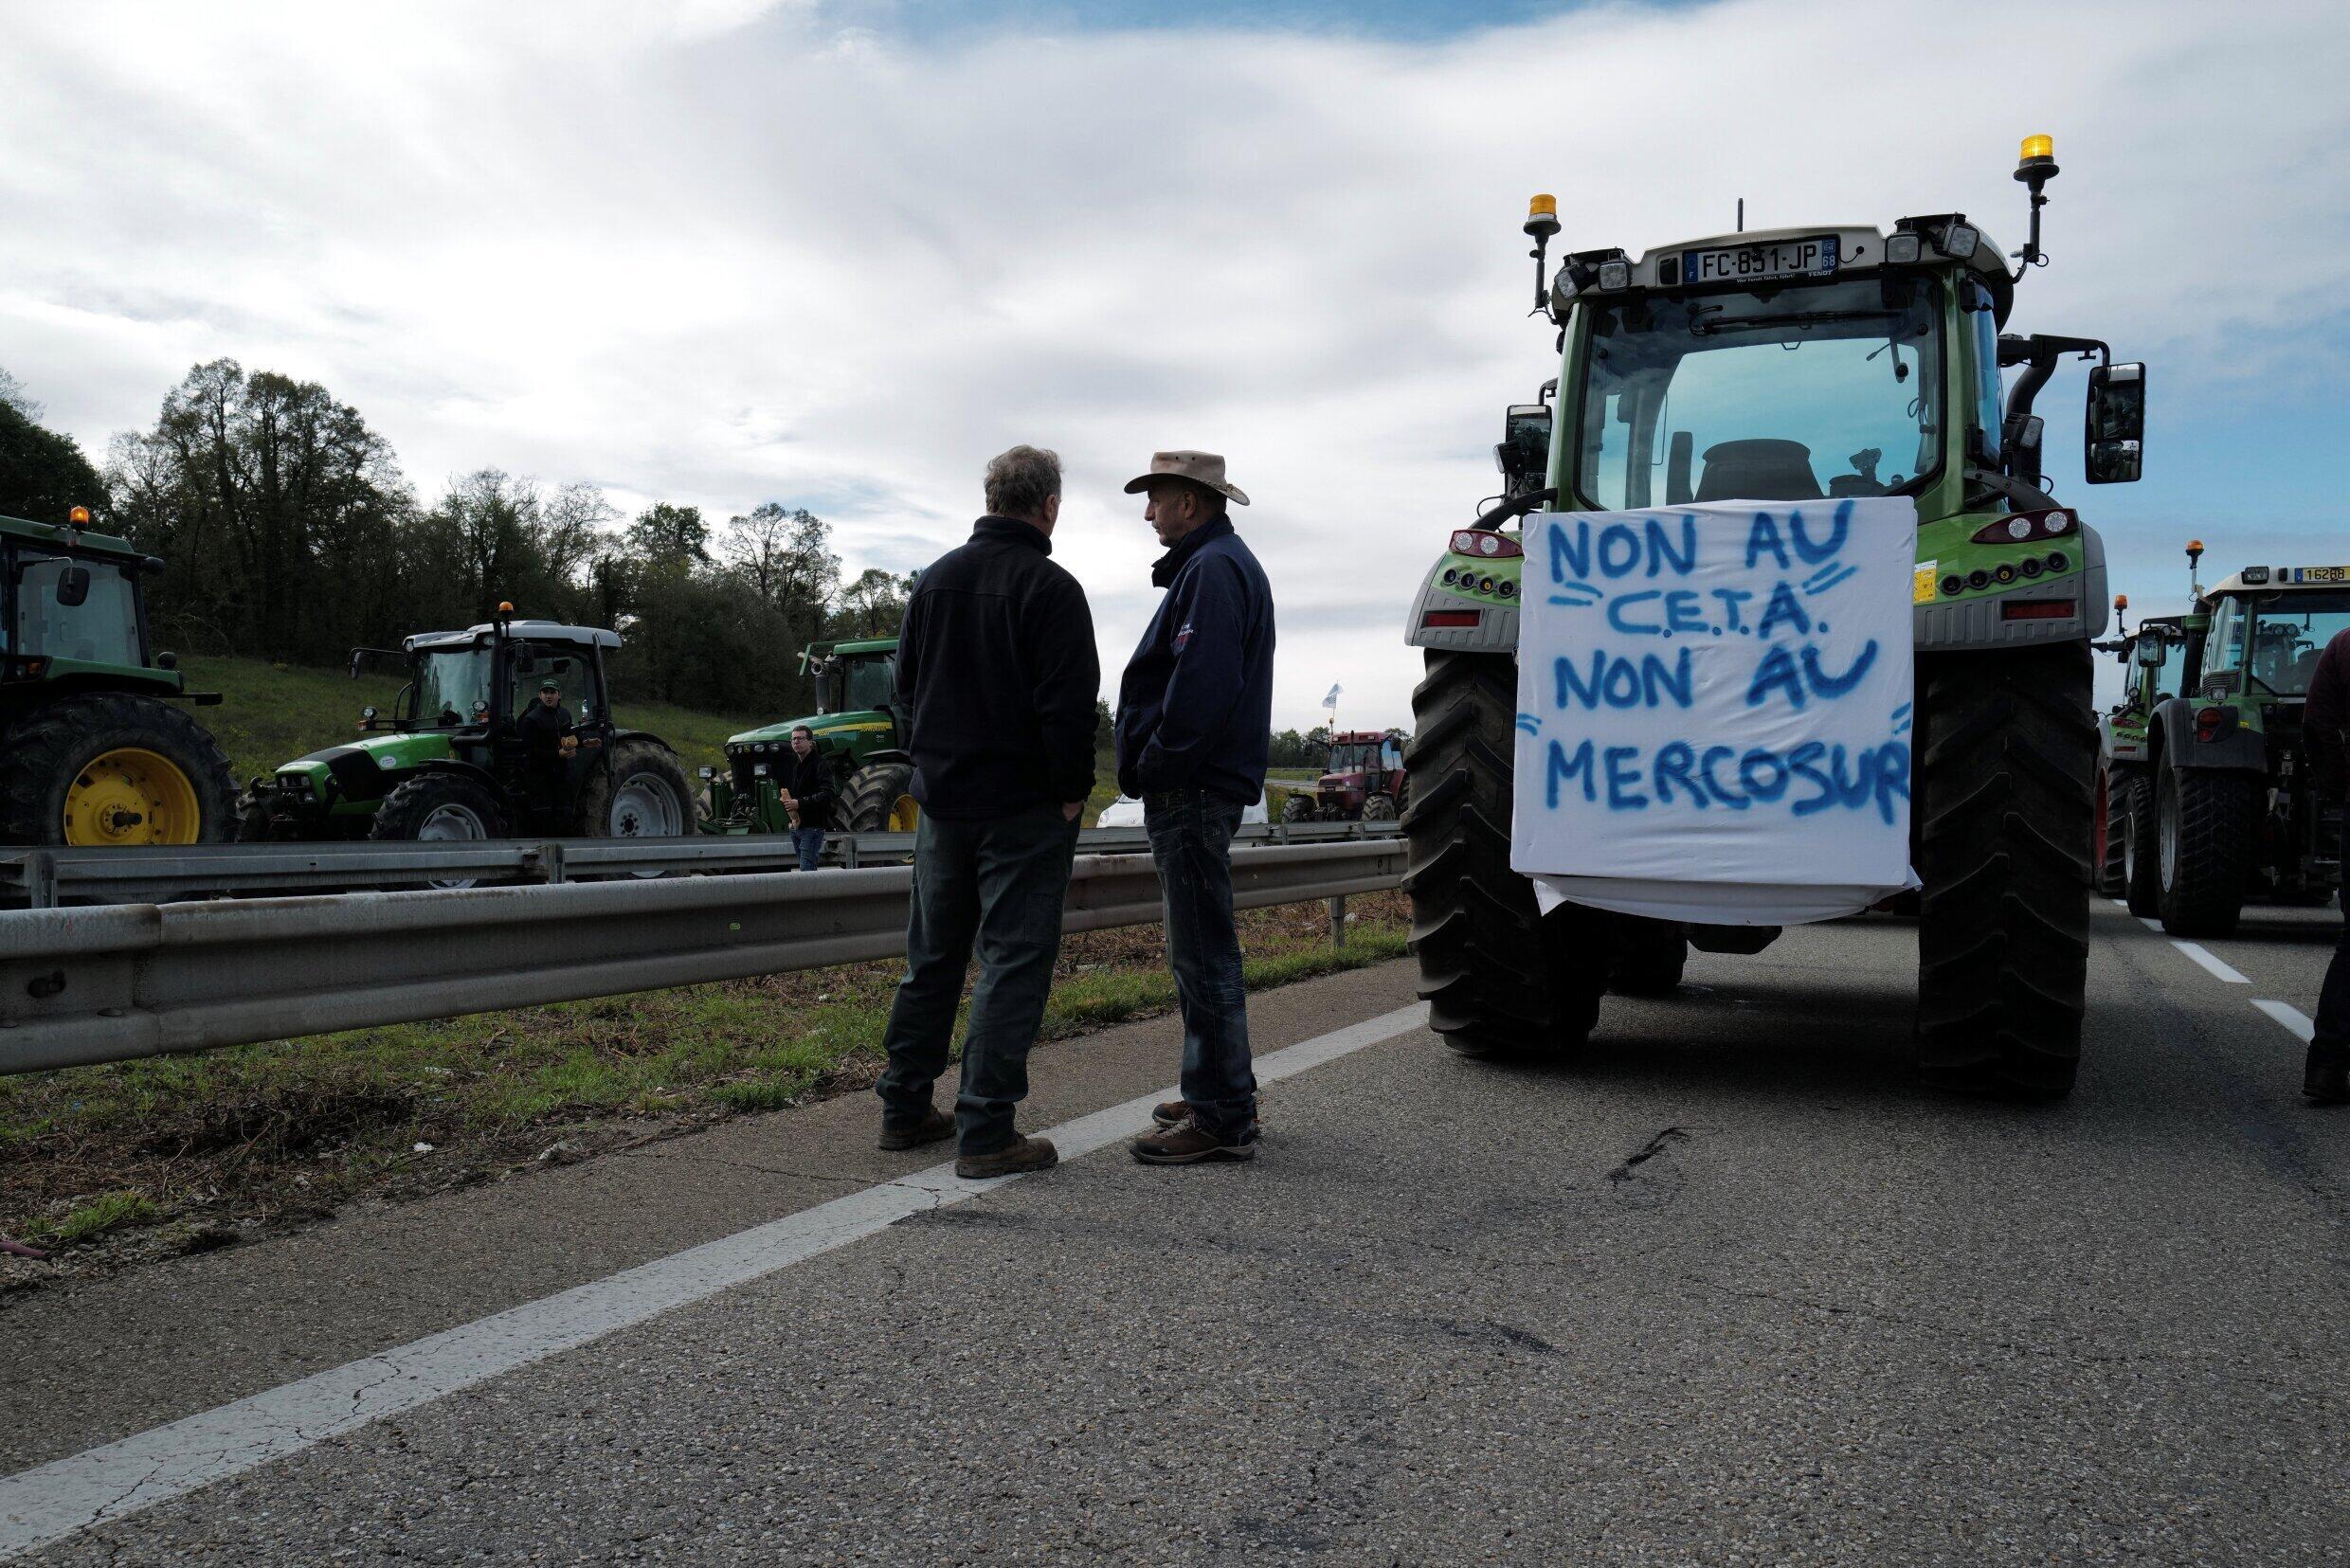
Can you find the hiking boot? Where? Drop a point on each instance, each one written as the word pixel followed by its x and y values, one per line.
pixel 1189 1143
pixel 1170 1113
pixel 1021 1154
pixel 2327 1078
pixel 934 1126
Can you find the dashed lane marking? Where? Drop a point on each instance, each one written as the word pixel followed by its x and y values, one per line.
pixel 2292 1017
pixel 2212 966
pixel 65 1496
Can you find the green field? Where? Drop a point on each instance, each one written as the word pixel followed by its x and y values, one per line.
pixel 271 714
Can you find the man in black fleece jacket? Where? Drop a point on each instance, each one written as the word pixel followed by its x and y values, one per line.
pixel 996 666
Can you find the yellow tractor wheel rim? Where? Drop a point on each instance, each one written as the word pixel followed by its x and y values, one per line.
pixel 905 814
pixel 131 796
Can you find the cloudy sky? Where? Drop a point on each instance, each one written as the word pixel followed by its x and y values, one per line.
pixel 836 255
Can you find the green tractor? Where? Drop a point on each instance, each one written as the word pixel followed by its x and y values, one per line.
pixel 449 762
pixel 858 722
pixel 1722 369
pixel 2153 660
pixel 2225 805
pixel 94 747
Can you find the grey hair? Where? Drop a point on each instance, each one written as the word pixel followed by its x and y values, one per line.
pixel 1021 480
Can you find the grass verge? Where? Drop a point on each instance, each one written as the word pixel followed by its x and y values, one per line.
pixel 111 1165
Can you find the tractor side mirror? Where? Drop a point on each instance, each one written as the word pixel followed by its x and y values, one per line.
pixel 73 587
pixel 2151 651
pixel 167 661
pixel 1524 454
pixel 2114 440
pixel 524 663
pixel 2026 466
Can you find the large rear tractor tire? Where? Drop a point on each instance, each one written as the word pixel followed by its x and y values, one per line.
pixel 645 794
pixel 2141 847
pixel 878 798
pixel 1645 956
pixel 1499 978
pixel 110 768
pixel 2006 809
pixel 2205 824
pixel 2112 785
pixel 1298 808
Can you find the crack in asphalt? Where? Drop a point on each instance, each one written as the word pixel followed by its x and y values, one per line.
pixel 1648 1151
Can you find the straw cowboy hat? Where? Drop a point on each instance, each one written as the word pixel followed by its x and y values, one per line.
pixel 1206 468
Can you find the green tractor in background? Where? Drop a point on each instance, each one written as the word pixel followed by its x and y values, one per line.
pixel 2154 661
pixel 1744 367
pixel 448 764
pixel 859 723
pixel 2224 805
pixel 94 748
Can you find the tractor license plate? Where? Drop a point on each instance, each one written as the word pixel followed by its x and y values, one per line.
pixel 1761 264
pixel 2322 574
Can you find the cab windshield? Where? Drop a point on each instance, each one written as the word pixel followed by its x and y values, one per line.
pixel 1349 758
pixel 450 685
pixel 858 684
pixel 102 629
pixel 2276 638
pixel 1796 392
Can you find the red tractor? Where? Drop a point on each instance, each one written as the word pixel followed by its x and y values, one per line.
pixel 1363 782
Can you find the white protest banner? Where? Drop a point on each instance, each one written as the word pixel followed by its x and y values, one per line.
pixel 1714 709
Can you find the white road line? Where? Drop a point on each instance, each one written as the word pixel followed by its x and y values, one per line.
pixel 2212 966
pixel 56 1500
pixel 2292 1017
pixel 2149 923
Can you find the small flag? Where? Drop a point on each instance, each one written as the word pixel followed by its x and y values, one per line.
pixel 1330 702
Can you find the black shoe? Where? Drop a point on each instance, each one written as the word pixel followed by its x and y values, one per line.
pixel 2326 1079
pixel 1021 1154
pixel 1191 1144
pixel 934 1126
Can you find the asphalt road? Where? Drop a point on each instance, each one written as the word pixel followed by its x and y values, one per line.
pixel 1728 1287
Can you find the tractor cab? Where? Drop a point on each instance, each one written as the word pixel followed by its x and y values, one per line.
pixel 74 606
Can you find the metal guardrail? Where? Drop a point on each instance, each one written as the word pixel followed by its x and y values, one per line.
pixel 107 983
pixel 45 879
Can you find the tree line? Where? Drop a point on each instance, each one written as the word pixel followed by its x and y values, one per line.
pixel 288 532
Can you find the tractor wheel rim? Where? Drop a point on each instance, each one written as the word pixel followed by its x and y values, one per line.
pixel 905 814
pixel 131 796
pixel 452 820
pixel 644 808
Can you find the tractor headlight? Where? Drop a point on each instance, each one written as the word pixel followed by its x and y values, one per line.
pixel 759 770
pixel 1958 242
pixel 1902 249
pixel 1614 275
pixel 709 773
pixel 386 761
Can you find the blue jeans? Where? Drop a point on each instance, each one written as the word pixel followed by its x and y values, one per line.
pixel 809 842
pixel 1191 840
pixel 998 885
pixel 2330 1042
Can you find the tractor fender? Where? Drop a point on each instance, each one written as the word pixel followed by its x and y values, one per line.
pixel 481 776
pixel 619 735
pixel 2172 734
pixel 882 755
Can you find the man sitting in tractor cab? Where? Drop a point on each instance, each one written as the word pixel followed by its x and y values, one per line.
pixel 548 745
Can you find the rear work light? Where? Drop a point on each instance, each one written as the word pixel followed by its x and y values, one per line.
pixel 1452 618
pixel 2024 527
pixel 1483 542
pixel 2037 609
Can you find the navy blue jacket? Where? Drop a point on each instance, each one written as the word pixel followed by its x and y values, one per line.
pixel 1195 708
pixel 996 664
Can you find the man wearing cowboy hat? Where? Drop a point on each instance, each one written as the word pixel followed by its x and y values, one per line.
pixel 1195 722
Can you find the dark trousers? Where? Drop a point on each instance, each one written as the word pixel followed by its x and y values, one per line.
pixel 1191 840
pixel 809 843
pixel 998 886
pixel 2330 1040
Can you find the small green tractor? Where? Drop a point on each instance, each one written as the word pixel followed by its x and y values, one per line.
pixel 2219 801
pixel 449 762
pixel 95 748
pixel 859 723
pixel 1740 366
pixel 2153 660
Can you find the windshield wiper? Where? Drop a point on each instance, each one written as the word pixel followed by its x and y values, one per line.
pixel 1799 318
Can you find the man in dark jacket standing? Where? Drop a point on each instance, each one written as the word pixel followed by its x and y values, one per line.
pixel 1195 723
pixel 2326 1077
pixel 807 790
pixel 996 664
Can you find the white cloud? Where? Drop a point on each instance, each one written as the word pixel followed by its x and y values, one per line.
pixel 731 252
